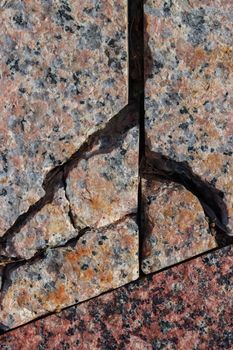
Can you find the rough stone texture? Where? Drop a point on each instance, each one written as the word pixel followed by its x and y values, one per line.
pixel 188 304
pixel 175 227
pixel 189 86
pixel 101 260
pixel 64 74
pixel 51 226
pixel 104 187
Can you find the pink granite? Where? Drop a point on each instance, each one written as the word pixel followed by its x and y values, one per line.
pixel 98 261
pixel 64 74
pixel 174 227
pixel 188 305
pixel 189 86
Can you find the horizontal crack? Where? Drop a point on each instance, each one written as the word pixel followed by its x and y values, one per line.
pixel 11 265
pixel 114 131
pixel 155 165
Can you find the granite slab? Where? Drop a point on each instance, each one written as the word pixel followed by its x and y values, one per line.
pixel 51 226
pixel 189 85
pixel 174 227
pixel 100 190
pixel 64 74
pixel 104 186
pixel 188 305
pixel 98 261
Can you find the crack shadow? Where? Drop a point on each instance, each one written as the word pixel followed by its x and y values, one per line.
pixel 155 165
pixel 104 140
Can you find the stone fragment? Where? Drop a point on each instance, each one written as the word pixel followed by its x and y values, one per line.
pixel 101 189
pixel 189 87
pixel 100 260
pixel 175 227
pixel 51 226
pixel 64 74
pixel 104 187
pixel 188 304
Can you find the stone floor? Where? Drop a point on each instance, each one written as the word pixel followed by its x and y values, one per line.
pixel 116 176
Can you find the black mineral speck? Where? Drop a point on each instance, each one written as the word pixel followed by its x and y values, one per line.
pixel 158 66
pixel 167 8
pixel 51 77
pixel 19 20
pixel 184 126
pixel 84 267
pixel 3 192
pixel 183 110
pixel 104 237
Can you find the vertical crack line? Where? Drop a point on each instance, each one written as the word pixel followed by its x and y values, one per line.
pixel 70 213
pixel 136 90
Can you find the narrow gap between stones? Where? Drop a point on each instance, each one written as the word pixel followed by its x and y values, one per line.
pixel 136 89
pixel 157 166
pixel 152 165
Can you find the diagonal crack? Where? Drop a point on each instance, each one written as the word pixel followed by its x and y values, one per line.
pixel 117 126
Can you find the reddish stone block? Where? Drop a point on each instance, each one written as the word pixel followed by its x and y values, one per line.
pixel 189 305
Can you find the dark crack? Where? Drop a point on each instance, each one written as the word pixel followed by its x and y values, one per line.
pixel 152 165
pixel 115 131
pixel 136 89
pixel 6 271
pixel 155 165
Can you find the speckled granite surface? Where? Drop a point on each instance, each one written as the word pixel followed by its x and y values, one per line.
pixel 66 133
pixel 188 305
pixel 64 73
pixel 100 190
pixel 175 227
pixel 100 260
pixel 104 187
pixel 188 66
pixel 51 226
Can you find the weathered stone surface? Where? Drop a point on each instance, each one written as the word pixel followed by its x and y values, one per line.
pixel 104 187
pixel 64 74
pixel 100 260
pixel 189 304
pixel 50 227
pixel 175 227
pixel 189 87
